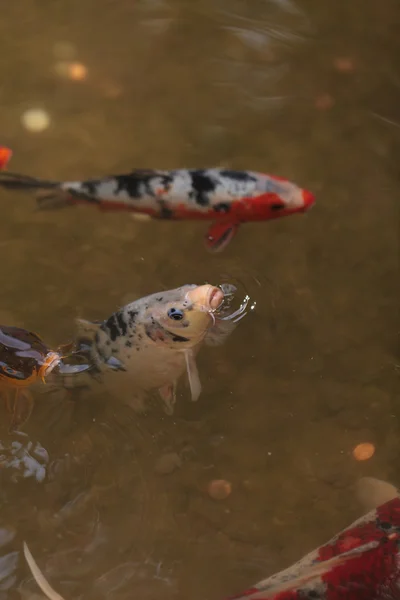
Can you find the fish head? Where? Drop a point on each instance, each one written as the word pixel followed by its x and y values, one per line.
pixel 277 198
pixel 182 317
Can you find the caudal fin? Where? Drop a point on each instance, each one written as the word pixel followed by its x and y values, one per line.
pixel 49 194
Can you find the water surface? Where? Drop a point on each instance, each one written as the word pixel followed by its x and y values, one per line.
pixel 307 90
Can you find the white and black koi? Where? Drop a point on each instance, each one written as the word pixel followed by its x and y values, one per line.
pixel 225 197
pixel 148 344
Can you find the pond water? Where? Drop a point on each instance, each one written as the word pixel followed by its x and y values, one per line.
pixel 304 89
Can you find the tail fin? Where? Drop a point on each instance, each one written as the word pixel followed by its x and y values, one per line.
pixel 49 194
pixel 15 181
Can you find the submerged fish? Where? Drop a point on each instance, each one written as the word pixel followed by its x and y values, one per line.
pixel 360 563
pixel 5 156
pixel 148 344
pixel 24 360
pixel 227 198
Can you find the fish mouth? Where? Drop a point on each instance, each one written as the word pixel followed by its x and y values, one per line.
pixel 225 312
pixel 308 200
pixel 206 297
pixel 215 298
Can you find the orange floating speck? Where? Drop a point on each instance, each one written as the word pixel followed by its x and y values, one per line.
pixel 77 71
pixel 364 451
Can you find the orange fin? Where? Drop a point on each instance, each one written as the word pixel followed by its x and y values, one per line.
pixel 5 156
pixel 219 235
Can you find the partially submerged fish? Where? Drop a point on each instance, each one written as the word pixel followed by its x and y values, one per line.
pixel 24 360
pixel 148 344
pixel 225 197
pixel 360 563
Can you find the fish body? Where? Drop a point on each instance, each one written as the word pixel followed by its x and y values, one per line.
pixel 24 360
pixel 225 197
pixel 148 344
pixel 360 563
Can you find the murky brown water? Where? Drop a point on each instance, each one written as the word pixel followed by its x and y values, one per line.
pixel 307 90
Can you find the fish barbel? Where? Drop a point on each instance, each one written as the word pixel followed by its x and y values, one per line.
pixel 225 197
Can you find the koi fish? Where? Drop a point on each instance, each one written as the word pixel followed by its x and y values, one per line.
pixel 227 198
pixel 148 344
pixel 360 563
pixel 24 360
pixel 5 156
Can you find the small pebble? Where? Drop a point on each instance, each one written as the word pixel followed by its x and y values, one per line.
pixel 35 120
pixel 77 71
pixel 364 451
pixel 167 463
pixel 344 64
pixel 71 70
pixel 324 102
pixel 219 489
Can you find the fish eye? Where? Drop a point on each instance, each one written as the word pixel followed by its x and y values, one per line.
pixel 10 371
pixel 175 314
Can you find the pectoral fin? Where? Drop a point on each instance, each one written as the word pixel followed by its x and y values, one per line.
pixel 168 396
pixel 87 329
pixel 193 375
pixel 219 235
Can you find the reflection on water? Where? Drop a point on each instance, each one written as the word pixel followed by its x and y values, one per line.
pixel 306 90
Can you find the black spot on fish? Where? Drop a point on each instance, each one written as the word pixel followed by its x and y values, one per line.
pixel 238 175
pixel 114 351
pixel 97 338
pixel 383 525
pixel 121 322
pixel 128 344
pixel 223 207
pixel 140 337
pixel 179 338
pixel 159 298
pixel 111 325
pixel 132 184
pixel 202 186
pixel 132 316
pixel 108 343
pixel 90 190
pixel 277 207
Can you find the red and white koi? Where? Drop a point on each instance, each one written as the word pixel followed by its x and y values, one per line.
pixel 360 563
pixel 226 197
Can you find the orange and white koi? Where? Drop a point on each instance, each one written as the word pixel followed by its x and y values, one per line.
pixel 228 198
